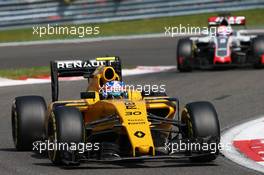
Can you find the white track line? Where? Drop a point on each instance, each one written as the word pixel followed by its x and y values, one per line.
pixel 82 40
pixel 248 130
pixel 125 72
pixel 107 38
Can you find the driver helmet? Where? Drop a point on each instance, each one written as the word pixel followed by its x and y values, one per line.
pixel 224 30
pixel 114 90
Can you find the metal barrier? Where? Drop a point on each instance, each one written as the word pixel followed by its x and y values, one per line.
pixel 18 14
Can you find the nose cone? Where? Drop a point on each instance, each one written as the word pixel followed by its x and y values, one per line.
pixel 222 60
pixel 143 150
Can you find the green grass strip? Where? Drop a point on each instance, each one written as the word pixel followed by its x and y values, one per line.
pixel 156 25
pixel 25 72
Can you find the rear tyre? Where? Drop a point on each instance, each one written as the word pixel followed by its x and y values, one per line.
pixel 184 55
pixel 65 126
pixel 202 123
pixel 28 116
pixel 258 51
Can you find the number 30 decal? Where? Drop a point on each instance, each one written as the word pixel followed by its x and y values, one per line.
pixel 133 113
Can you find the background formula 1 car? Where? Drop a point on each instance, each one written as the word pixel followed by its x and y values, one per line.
pixel 127 124
pixel 221 47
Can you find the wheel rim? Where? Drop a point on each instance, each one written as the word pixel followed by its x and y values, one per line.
pixel 187 120
pixel 52 137
pixel 14 125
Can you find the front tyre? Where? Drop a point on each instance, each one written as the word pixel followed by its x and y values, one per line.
pixel 184 55
pixel 258 51
pixel 202 123
pixel 65 127
pixel 28 116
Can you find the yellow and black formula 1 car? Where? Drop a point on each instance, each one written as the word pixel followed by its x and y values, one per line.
pixel 111 122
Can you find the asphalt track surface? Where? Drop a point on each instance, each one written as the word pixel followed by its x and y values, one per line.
pixel 133 52
pixel 237 95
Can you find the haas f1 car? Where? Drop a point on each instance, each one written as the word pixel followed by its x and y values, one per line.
pixel 221 47
pixel 125 124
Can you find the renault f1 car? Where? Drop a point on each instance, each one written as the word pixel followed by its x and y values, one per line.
pixel 221 47
pixel 121 123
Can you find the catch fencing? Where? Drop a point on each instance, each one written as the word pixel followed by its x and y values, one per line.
pixel 19 13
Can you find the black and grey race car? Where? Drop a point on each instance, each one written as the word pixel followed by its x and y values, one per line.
pixel 221 46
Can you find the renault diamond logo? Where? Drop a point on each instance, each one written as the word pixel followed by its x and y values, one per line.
pixel 139 134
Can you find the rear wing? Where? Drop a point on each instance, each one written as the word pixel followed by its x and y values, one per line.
pixel 231 20
pixel 74 68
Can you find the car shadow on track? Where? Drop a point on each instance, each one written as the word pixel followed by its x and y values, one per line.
pixel 8 150
pixel 114 165
pixel 123 165
pixel 131 165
